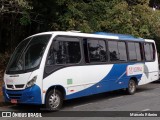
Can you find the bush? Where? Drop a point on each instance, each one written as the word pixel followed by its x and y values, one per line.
pixel 4 58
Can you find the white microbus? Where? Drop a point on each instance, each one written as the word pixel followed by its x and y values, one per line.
pixel 50 67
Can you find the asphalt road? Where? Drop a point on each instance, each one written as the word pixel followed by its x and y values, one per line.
pixel 147 98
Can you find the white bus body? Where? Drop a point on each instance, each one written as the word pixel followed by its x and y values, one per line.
pixel 50 67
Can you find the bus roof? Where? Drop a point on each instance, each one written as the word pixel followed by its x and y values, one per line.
pixel 120 36
pixel 96 35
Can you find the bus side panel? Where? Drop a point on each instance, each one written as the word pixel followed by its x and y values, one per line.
pixel 151 73
pixel 116 79
pixel 81 81
pixel 151 70
pixel 77 78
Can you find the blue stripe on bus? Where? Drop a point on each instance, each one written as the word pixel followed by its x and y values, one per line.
pixel 120 36
pixel 109 82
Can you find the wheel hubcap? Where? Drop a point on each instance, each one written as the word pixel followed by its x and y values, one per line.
pixel 54 100
pixel 132 87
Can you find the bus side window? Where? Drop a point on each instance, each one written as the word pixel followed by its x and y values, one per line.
pixel 96 50
pixel 138 51
pixel 149 51
pixel 135 51
pixel 132 51
pixel 113 50
pixel 64 51
pixel 68 52
pixel 85 51
pixel 50 58
pixel 122 51
pixel 117 51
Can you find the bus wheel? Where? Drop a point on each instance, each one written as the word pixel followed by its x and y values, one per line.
pixel 54 100
pixel 131 87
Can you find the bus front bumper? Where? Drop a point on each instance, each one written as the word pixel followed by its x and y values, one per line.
pixel 30 95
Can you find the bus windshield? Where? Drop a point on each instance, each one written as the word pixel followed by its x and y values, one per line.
pixel 28 54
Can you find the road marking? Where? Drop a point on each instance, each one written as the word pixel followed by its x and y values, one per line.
pixel 145 110
pixel 82 105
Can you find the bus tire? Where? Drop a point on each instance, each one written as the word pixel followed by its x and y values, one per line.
pixel 131 87
pixel 54 100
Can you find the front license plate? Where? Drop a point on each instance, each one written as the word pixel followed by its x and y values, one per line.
pixel 13 101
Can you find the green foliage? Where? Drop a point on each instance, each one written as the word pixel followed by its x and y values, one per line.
pixel 4 59
pixel 24 4
pixel 118 16
pixel 25 19
pixel 134 17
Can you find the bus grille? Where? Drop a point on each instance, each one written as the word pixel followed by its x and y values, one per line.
pixel 19 86
pixel 14 96
pixel 16 86
pixel 9 86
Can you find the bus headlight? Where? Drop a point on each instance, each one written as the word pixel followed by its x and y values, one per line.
pixel 31 82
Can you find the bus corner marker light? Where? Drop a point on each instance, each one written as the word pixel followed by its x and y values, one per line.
pixel 44 91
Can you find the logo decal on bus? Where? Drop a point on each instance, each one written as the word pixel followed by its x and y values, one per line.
pixel 135 69
pixel 9 81
pixel 69 81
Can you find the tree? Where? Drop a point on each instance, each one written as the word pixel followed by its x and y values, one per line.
pixel 13 14
pixel 21 18
pixel 134 17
